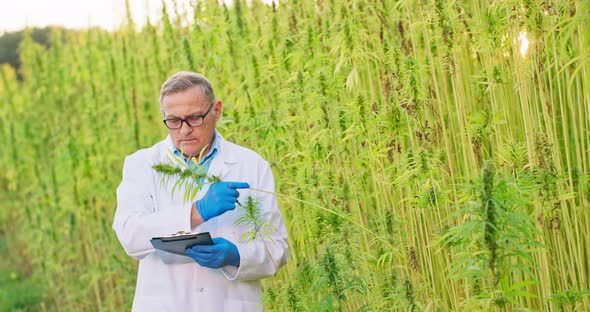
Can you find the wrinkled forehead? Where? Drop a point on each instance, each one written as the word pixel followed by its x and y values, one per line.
pixel 195 92
pixel 189 101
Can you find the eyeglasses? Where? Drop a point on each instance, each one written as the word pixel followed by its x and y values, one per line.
pixel 191 121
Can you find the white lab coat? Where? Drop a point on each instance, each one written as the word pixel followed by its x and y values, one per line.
pixel 168 282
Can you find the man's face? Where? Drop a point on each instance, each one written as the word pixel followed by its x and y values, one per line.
pixel 186 103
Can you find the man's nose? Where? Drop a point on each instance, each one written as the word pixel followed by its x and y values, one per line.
pixel 185 128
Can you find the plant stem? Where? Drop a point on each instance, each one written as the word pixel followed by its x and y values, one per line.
pixel 268 250
pixel 336 213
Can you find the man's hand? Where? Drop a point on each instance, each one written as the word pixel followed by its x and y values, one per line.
pixel 220 197
pixel 221 253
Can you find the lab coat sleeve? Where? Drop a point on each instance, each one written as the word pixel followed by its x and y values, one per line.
pixel 136 219
pixel 255 258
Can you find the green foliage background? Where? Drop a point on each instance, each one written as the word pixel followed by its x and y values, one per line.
pixel 385 111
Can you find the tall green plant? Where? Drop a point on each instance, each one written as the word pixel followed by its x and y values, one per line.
pixel 494 243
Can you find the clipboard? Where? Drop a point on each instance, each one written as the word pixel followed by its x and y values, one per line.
pixel 179 242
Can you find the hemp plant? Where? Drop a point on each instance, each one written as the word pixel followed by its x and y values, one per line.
pixel 192 180
pixel 253 217
pixel 189 180
pixel 495 242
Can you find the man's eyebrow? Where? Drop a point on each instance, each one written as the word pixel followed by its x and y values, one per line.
pixel 196 114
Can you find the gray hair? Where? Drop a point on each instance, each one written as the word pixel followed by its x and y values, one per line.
pixel 184 80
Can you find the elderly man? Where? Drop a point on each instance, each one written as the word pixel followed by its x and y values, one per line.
pixel 224 276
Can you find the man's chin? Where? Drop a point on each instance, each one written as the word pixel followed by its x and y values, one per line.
pixel 191 152
pixel 189 148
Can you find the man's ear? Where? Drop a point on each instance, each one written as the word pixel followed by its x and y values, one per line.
pixel 218 107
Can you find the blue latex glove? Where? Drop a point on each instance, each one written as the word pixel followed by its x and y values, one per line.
pixel 220 197
pixel 221 253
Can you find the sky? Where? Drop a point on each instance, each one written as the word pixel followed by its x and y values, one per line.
pixel 17 14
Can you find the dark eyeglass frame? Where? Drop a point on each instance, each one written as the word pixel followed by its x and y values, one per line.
pixel 200 120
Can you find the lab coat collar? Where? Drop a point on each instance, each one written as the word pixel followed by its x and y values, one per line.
pixel 224 151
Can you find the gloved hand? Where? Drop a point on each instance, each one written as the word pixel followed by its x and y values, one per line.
pixel 221 253
pixel 220 197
